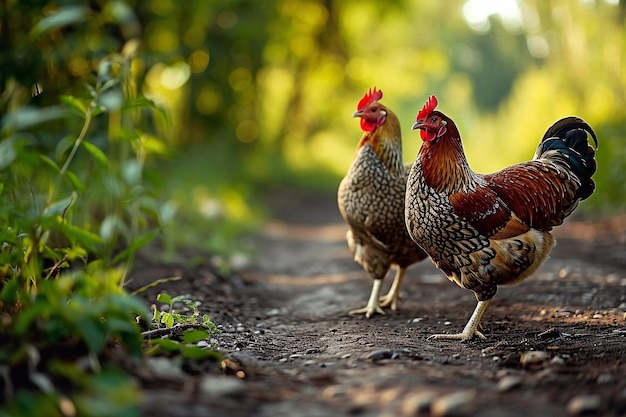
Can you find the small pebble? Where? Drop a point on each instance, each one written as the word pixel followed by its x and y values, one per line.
pixel 557 360
pixel 309 362
pixel 447 323
pixel 597 316
pixel 533 358
pixel 419 402
pixel 218 387
pixel 457 404
pixel 605 379
pixel 283 360
pixel 346 356
pixel 584 404
pixel 508 383
pixel 295 355
pixel 379 355
pixel 417 319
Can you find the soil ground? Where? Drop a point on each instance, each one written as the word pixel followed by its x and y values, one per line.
pixel 291 349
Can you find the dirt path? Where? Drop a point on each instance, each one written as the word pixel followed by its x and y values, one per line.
pixel 297 353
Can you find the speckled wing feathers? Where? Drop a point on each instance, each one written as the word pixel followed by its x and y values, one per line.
pixel 371 200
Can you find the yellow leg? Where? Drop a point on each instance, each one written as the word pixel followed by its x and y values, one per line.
pixel 372 306
pixel 391 298
pixel 471 328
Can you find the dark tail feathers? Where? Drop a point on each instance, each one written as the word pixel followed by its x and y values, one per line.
pixel 567 141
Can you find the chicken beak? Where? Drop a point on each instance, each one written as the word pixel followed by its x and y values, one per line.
pixel 357 113
pixel 417 125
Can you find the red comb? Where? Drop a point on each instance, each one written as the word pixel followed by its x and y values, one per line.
pixel 429 106
pixel 371 95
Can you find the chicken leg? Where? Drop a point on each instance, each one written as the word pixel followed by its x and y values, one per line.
pixel 391 298
pixel 471 328
pixel 372 306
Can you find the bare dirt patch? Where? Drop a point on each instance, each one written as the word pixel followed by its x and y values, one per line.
pixel 286 332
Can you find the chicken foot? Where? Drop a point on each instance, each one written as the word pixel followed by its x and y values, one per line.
pixel 471 328
pixel 391 298
pixel 372 306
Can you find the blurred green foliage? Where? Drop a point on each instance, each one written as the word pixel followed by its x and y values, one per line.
pixel 262 92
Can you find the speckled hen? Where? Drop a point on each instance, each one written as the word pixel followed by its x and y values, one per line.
pixel 371 201
pixel 488 230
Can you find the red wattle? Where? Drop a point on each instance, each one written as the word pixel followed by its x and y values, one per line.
pixel 427 135
pixel 367 126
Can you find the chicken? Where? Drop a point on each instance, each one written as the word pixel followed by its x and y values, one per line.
pixel 488 230
pixel 371 201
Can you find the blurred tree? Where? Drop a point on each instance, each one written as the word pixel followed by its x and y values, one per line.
pixel 272 84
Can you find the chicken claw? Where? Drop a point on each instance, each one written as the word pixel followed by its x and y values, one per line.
pixel 372 306
pixel 456 336
pixel 368 310
pixel 471 328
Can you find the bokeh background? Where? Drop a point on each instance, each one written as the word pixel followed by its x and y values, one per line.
pixel 259 94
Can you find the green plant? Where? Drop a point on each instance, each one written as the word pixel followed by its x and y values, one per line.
pixel 168 317
pixel 76 207
pixel 194 328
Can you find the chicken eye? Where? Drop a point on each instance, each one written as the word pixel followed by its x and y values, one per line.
pixel 434 119
pixel 374 109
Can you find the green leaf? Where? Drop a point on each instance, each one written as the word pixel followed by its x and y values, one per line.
pixel 167 319
pixel 130 305
pixel 96 153
pixel 198 353
pixel 63 17
pixel 195 335
pixel 76 182
pixel 9 292
pixel 50 163
pixel 28 117
pixel 164 298
pixel 7 153
pixel 92 333
pixel 119 326
pixel 180 298
pixel 111 225
pixel 27 316
pixel 155 283
pixel 74 104
pixel 60 206
pixel 167 345
pixel 82 237
pixel 139 103
pixel 135 245
pixel 153 145
pixel 63 146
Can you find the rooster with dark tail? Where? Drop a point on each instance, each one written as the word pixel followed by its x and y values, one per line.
pixel 488 230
